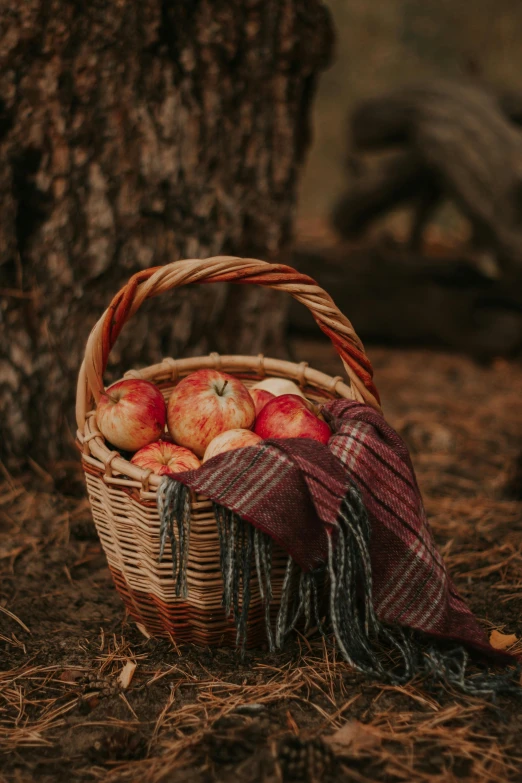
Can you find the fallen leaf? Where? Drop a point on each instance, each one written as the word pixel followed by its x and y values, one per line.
pixel 501 641
pixel 352 737
pixel 126 674
pixel 141 628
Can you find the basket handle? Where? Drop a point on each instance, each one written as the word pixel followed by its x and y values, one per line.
pixel 221 269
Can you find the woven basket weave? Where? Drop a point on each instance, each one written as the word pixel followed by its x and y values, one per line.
pixel 123 496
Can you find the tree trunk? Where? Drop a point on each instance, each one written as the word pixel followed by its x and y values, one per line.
pixel 134 134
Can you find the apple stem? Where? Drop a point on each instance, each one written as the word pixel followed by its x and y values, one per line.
pixel 111 398
pixel 221 392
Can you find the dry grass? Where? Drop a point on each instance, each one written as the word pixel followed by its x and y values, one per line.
pixel 402 739
pixel 203 715
pixel 415 735
pixel 34 702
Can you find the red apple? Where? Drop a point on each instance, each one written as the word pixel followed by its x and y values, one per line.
pixel 278 386
pixel 206 403
pixel 260 397
pixel 288 416
pixel 165 458
pixel 131 414
pixel 231 439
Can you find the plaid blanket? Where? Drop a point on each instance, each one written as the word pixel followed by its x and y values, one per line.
pixel 352 508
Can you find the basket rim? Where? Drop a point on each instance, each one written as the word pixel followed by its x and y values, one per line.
pixel 154 281
pixel 99 457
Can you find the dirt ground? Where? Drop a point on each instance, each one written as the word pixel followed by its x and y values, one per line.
pixel 202 715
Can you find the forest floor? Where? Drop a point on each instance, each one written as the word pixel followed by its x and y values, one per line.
pixel 202 715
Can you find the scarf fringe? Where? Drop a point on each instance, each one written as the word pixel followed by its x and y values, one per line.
pixel 358 631
pixel 298 601
pixel 363 641
pixel 174 506
pixel 237 541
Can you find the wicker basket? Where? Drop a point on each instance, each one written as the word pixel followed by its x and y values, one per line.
pixel 123 496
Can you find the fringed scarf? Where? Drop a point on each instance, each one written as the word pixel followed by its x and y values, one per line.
pixel 351 512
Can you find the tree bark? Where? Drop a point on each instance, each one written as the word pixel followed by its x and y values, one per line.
pixel 132 135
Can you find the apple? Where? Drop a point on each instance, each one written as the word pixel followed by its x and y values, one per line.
pixel 229 440
pixel 131 414
pixel 288 416
pixel 205 404
pixel 278 386
pixel 165 458
pixel 260 397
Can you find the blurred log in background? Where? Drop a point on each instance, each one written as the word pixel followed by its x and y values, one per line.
pixel 420 147
pixel 134 134
pixel 449 141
